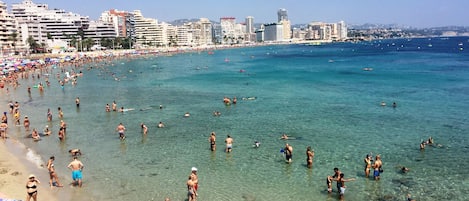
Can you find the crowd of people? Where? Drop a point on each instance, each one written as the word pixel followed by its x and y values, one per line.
pixel 192 183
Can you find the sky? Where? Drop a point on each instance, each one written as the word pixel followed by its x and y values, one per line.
pixel 415 13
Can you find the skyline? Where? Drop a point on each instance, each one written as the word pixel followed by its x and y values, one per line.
pixel 418 13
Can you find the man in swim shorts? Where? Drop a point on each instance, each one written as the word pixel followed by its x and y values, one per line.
pixel 121 129
pixel 229 144
pixel 77 167
pixel 377 167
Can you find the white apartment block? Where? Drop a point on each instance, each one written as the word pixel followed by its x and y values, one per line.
pixel 326 31
pixel 8 27
pixel 202 32
pixel 148 32
pixel 40 22
pixel 56 23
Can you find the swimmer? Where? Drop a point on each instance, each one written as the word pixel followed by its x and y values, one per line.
pixel 404 170
pixel 161 107
pixel 75 152
pixel 216 113
pixel 160 125
pixel 394 104
pixel 35 135
pixel 144 128
pixel 430 140
pixel 409 198
pixel 256 144
pixel 46 130
pixel 122 109
pixel 286 137
pixel 422 145
pixel 383 103
pixel 77 102
pixel 249 98
pixel 108 107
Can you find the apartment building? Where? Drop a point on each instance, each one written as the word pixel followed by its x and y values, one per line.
pixel 10 37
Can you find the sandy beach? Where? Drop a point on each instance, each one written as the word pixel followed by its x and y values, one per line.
pixel 14 171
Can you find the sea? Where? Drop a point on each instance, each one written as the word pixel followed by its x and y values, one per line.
pixel 328 96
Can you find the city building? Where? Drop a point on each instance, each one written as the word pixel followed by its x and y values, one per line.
pixel 10 37
pixel 149 33
pixel 282 15
pixel 42 23
pixel 250 35
pixel 273 32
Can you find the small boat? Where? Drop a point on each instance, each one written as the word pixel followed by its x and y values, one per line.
pixel 367 69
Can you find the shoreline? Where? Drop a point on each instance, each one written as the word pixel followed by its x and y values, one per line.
pixel 14 171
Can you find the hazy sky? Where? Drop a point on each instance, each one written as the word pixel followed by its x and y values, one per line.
pixel 416 13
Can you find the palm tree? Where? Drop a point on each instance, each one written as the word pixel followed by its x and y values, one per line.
pixel 14 38
pixel 32 44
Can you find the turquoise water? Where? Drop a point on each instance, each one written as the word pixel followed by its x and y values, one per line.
pixel 318 94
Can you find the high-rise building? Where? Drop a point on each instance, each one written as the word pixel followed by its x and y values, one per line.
pixel 286 24
pixel 342 30
pixel 249 24
pixel 148 32
pixel 250 35
pixel 10 38
pixel 228 29
pixel 123 21
pixel 273 32
pixel 282 14
pixel 42 21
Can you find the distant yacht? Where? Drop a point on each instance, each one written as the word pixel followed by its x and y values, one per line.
pixel 430 45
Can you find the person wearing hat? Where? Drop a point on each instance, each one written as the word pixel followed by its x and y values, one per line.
pixel 46 130
pixel 31 188
pixel 195 179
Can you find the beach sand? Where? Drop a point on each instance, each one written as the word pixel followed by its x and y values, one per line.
pixel 14 172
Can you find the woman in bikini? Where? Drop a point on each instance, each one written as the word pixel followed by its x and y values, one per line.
pixel 31 188
pixel 52 174
pixel 367 161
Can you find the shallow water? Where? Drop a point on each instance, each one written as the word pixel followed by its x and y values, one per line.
pixel 318 94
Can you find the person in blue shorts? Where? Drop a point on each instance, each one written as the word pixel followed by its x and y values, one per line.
pixel 77 167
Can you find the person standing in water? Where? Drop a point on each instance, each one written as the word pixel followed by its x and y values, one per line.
pixel 288 151
pixel 212 139
pixel 368 160
pixel 77 167
pixel 309 157
pixel 229 144
pixel 377 167
pixel 121 129
pixel 77 102
pixel 52 174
